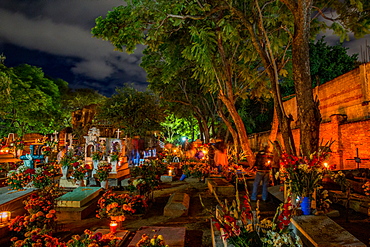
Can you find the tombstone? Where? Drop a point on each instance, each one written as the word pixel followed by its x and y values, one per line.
pixel 77 204
pixel 220 186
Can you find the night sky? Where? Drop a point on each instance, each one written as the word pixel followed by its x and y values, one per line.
pixel 55 35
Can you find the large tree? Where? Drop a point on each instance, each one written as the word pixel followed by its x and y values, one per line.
pixel 219 28
pixel 30 102
pixel 220 55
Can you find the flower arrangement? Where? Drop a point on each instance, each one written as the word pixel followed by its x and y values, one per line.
pixel 37 237
pixel 97 155
pixel 46 151
pixel 366 188
pixel 19 144
pixel 91 239
pixel 41 212
pixel 103 170
pixel 20 178
pixel 340 179
pixel 149 172
pixel 80 169
pixel 67 159
pixel 117 206
pixel 155 241
pixel 114 156
pixel 197 170
pixel 304 174
pixel 242 229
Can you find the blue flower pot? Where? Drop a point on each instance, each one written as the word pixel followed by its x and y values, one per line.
pixel 183 176
pixel 306 206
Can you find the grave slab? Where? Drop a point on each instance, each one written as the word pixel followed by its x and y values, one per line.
pixel 78 197
pixel 12 200
pixel 120 233
pixel 166 179
pixel 221 187
pixel 72 214
pixel 321 231
pixel 177 205
pixel 173 236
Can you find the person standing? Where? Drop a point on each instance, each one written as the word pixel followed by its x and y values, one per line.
pixel 276 154
pixel 263 167
pixel 220 156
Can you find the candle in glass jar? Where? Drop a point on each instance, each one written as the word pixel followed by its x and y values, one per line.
pixel 113 226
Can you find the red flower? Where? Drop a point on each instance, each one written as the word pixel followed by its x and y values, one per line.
pixel 30 171
pixel 75 164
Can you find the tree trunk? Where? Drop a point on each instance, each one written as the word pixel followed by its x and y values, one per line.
pixel 308 111
pixel 239 125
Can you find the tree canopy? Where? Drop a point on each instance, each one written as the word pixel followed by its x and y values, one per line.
pixel 134 111
pixel 30 102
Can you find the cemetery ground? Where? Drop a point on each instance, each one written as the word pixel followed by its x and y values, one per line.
pixel 197 222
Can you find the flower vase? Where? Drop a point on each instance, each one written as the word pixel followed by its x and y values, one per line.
pixel 95 164
pixel 306 206
pixel 104 184
pixel 183 176
pixel 114 166
pixel 46 159
pixel 65 172
pixel 80 183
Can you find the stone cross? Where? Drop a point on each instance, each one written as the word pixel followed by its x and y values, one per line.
pixel 55 135
pixel 118 132
pixel 357 159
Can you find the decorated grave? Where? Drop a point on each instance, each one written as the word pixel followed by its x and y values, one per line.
pixel 321 231
pixel 172 236
pixel 220 186
pixel 111 150
pixel 77 204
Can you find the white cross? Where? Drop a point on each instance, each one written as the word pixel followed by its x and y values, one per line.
pixel 118 132
pixel 55 134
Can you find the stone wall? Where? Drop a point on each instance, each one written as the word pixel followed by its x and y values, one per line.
pixel 345 112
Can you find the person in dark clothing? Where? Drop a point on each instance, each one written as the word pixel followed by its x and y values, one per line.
pixel 263 167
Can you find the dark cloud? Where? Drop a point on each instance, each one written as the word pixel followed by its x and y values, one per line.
pixel 61 29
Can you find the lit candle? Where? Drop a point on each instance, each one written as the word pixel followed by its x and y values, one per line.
pixel 113 226
pixel 169 172
pixel 4 216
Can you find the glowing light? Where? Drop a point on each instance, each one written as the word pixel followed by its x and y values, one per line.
pixel 326 165
pixel 5 216
pixel 113 226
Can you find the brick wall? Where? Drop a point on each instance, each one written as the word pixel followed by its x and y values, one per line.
pixel 345 111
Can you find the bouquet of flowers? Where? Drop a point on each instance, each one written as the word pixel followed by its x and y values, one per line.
pixel 41 212
pixel 146 241
pixel 304 174
pixel 19 144
pixel 114 156
pixel 80 169
pixel 97 155
pixel 366 188
pixel 42 178
pixel 91 239
pixel 46 151
pixel 239 227
pixel 67 159
pixel 37 237
pixel 103 170
pixel 117 206
pixel 20 178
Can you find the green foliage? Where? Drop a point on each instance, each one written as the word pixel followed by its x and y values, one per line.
pixel 30 101
pixel 137 112
pixel 328 62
